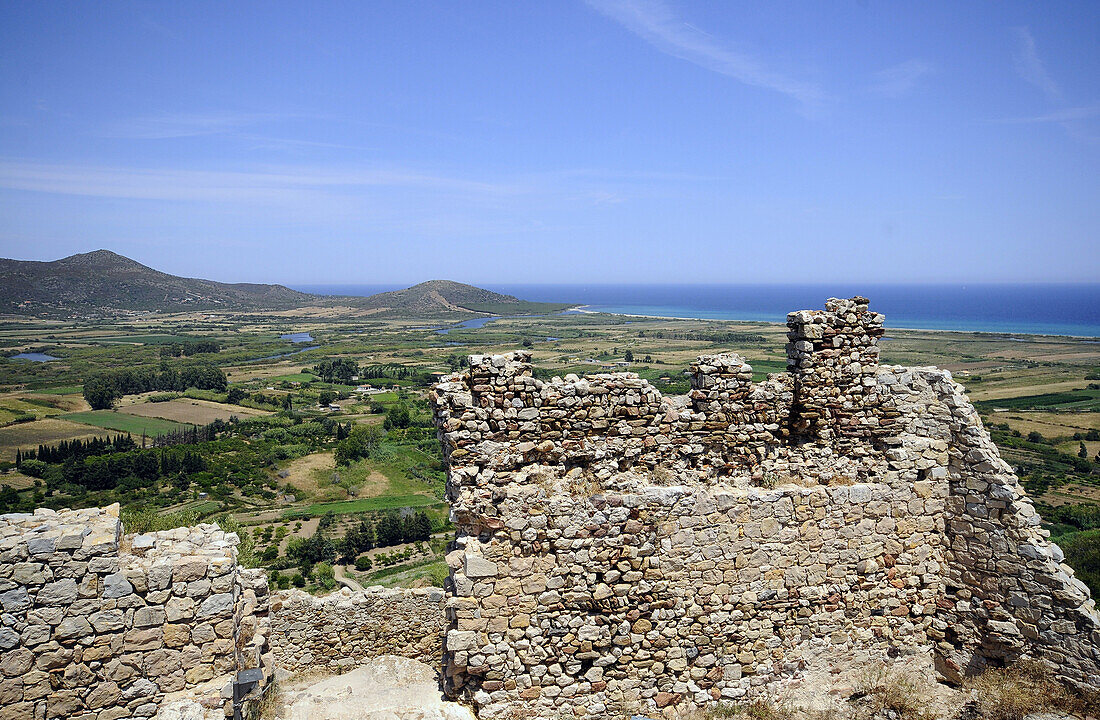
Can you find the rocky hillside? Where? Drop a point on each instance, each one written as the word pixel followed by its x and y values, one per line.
pixel 445 297
pixel 105 280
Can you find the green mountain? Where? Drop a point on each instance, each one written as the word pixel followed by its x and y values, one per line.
pixel 103 281
pixel 445 297
pixel 107 281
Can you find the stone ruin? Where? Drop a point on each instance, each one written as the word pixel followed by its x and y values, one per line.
pixel 622 552
pixel 616 552
pixel 98 624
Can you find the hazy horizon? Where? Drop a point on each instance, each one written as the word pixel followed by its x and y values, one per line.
pixel 622 141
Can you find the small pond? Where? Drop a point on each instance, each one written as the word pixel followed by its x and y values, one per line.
pixel 34 357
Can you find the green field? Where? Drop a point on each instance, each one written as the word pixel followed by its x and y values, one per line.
pixel 1077 400
pixel 62 390
pixel 157 339
pixel 294 377
pixel 110 420
pixel 389 502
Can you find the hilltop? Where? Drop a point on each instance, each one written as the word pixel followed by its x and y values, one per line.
pixel 107 280
pixel 103 281
pixel 445 297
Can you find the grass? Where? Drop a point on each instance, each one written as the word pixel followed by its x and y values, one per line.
pixel 143 520
pixel 432 569
pixel 186 411
pixel 293 377
pixel 389 502
pixel 1077 399
pixel 62 390
pixel 49 432
pixel 111 420
pixel 1020 690
pixel 156 339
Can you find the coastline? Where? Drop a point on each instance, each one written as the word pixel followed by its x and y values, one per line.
pixel 585 309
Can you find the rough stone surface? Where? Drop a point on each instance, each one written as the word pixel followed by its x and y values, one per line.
pixel 385 688
pixel 93 627
pixel 347 628
pixel 651 554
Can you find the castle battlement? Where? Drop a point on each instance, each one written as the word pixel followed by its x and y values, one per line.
pixel 620 551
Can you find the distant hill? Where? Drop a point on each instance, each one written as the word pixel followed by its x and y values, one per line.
pixel 103 281
pixel 107 280
pixel 445 297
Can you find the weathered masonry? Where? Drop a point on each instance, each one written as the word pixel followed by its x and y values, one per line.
pixel 619 551
pixel 97 624
pixel 100 625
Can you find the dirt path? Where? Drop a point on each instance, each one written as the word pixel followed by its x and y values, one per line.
pixel 340 572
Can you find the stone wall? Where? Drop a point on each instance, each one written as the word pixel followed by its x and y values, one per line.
pixel 618 551
pixel 339 631
pixel 97 624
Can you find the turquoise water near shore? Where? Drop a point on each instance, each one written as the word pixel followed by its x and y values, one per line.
pixel 1004 308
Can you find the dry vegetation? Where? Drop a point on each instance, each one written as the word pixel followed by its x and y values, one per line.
pixel 191 412
pixel 30 435
pixel 1022 691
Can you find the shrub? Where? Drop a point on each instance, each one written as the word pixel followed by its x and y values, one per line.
pixel 1022 689
pixel 895 694
pixel 136 520
pixel 362 563
pixel 324 575
pixel 34 468
pixel 298 581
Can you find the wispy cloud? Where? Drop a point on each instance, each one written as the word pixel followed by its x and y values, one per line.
pixel 900 80
pixel 166 126
pixel 656 23
pixel 261 184
pixel 1061 116
pixel 1030 67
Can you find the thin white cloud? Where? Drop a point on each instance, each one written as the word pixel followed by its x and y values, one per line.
pixel 659 25
pixel 1030 67
pixel 265 184
pixel 167 126
pixel 900 80
pixel 1061 116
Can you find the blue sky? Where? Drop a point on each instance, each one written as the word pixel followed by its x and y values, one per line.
pixel 599 141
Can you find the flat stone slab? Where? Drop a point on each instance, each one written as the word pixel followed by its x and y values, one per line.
pixel 385 688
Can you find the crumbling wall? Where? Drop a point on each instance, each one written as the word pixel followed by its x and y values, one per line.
pixel 618 551
pixel 102 625
pixel 339 631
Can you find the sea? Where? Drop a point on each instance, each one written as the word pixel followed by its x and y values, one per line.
pixel 1037 309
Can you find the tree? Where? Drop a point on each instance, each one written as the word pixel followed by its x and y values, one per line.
pixel 1035 436
pixel 389 530
pixel 326 397
pixel 358 539
pixel 397 417
pixel 1083 452
pixel 324 575
pixel 236 394
pixel 417 527
pixel 628 356
pixel 360 443
pixel 100 392
pixel 310 551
